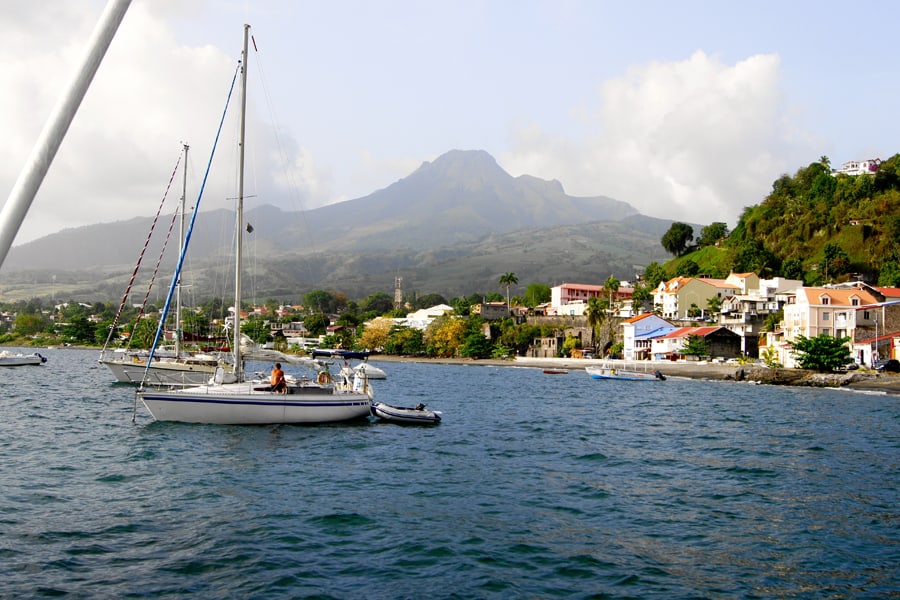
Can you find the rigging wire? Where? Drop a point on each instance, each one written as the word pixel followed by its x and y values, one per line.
pixel 140 259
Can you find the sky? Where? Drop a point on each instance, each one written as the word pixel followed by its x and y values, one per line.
pixel 686 110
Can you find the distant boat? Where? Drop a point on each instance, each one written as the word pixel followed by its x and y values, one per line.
pixel 181 368
pixel 556 371
pixel 610 371
pixel 8 359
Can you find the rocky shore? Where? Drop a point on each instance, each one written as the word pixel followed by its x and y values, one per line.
pixel 860 380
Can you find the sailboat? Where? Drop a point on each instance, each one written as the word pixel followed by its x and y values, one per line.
pixel 179 368
pixel 233 398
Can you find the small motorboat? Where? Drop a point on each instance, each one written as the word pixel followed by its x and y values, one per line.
pixel 8 359
pixel 419 415
pixel 556 371
pixel 611 372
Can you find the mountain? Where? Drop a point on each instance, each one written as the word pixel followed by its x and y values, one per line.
pixel 453 226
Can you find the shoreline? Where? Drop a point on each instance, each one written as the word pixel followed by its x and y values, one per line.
pixel 862 380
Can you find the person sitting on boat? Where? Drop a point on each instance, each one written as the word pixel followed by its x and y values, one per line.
pixel 277 382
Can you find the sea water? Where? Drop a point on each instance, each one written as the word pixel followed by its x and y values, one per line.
pixel 533 486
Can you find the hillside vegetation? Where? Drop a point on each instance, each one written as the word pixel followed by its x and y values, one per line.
pixel 813 226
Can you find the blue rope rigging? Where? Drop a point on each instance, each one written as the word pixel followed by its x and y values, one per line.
pixel 187 237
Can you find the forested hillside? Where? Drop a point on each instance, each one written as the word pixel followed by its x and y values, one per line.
pixel 814 226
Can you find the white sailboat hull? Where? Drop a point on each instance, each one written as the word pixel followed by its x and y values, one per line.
pixel 161 373
pixel 242 404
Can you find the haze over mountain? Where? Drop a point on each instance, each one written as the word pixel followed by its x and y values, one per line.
pixel 455 224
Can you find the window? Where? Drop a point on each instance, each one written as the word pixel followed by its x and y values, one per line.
pixel 826 300
pixel 826 331
pixel 854 302
pixel 866 315
pixel 826 316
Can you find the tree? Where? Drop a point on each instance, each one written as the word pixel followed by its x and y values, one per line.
pixel 375 334
pixel 688 267
pixel 429 300
pixel 770 357
pixel 835 262
pixel 378 303
pixel 676 239
pixel 317 324
pixel 476 345
pixel 319 301
pixel 80 330
pixel 641 297
pixel 256 328
pixel 404 340
pixel 695 346
pixel 508 279
pixel 823 353
pixel 889 275
pixel 445 335
pixel 713 306
pixel 28 324
pixel 611 285
pixel 596 314
pixel 712 234
pixel 792 268
pixel 537 293
pixel 655 274
pixel 773 320
pixel 694 311
pixel 143 333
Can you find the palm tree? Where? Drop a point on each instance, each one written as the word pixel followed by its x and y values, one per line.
pixel 611 285
pixel 596 314
pixel 508 279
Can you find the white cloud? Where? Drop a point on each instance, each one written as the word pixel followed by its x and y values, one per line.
pixel 149 95
pixel 694 140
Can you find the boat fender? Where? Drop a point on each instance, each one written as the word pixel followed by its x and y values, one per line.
pixel 324 377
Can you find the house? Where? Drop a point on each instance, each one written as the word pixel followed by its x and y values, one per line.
pixel 858 167
pixel 681 295
pixel 546 347
pixel 423 317
pixel 572 298
pixel 638 334
pixel 812 311
pixel 877 332
pixel 746 313
pixel 491 311
pixel 721 342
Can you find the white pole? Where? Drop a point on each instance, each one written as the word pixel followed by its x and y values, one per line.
pixel 32 174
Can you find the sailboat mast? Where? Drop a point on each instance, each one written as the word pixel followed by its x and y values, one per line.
pixel 178 330
pixel 240 209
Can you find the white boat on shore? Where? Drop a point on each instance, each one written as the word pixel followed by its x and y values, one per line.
pixel 17 359
pixel 610 371
pixel 418 415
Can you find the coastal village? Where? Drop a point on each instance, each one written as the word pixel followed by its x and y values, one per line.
pixel 730 315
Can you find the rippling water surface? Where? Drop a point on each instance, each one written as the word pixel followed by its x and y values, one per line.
pixel 534 486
